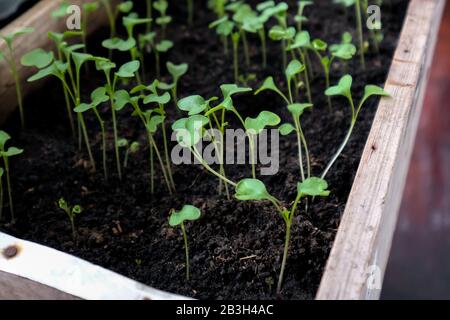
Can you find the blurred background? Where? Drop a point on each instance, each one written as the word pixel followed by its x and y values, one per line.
pixel 419 266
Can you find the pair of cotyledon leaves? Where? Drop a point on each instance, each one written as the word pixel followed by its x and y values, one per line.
pixel 11 151
pixel 254 189
pixel 188 212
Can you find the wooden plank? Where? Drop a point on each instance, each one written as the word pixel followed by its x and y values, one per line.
pixel 17 288
pixel 38 17
pixel 32 271
pixel 357 262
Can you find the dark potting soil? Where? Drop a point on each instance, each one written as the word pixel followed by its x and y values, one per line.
pixel 235 247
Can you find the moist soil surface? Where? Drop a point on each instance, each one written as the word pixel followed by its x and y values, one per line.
pixel 235 247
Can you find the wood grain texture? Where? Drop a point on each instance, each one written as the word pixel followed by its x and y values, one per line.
pixel 13 287
pixel 37 17
pixel 358 259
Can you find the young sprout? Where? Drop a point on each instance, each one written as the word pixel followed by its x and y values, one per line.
pixel 254 126
pixel 254 189
pixel 294 68
pixel 10 59
pixel 299 17
pixel 343 51
pixel 359 25
pixel 98 96
pixel 88 8
pixel 163 20
pixel 126 71
pixel 151 122
pixel 176 71
pixel 71 212
pixel 161 47
pixel 343 88
pixel 6 154
pixel 243 15
pixel 124 7
pixel 132 148
pixel 130 44
pixel 281 31
pixel 161 101
pixel 177 218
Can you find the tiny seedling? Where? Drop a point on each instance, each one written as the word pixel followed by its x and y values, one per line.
pixel 126 71
pixel 299 18
pixel 359 25
pixel 163 20
pixel 161 47
pixel 177 218
pixel 98 96
pixel 176 71
pixel 343 51
pixel 71 212
pixel 10 59
pixel 254 189
pixel 130 149
pixel 343 88
pixel 254 126
pixel 6 154
pixel 293 69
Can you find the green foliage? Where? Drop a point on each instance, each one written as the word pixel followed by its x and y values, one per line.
pixel 72 212
pixel 177 218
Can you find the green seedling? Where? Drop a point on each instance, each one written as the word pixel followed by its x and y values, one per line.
pixel 254 126
pixel 343 51
pixel 343 89
pixel 161 100
pixel 218 6
pixel 176 71
pixel 151 120
pixel 163 20
pixel 162 47
pixel 71 212
pixel 294 68
pixel 254 189
pixel 126 71
pixel 178 218
pixel 189 131
pixel 10 59
pixel 299 18
pixel 59 40
pixel 131 149
pixel 281 32
pixel 359 25
pixel 197 104
pixel 130 44
pixel 123 7
pixel 98 96
pixel 6 154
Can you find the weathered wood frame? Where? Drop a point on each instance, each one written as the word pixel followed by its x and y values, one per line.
pixel 360 252
pixel 37 17
pixel 358 259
